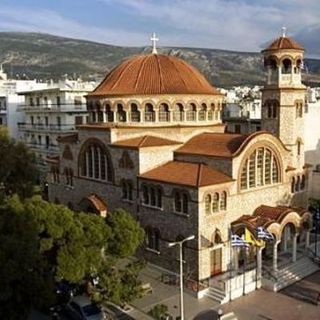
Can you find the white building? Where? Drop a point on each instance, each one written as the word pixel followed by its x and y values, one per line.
pixel 52 112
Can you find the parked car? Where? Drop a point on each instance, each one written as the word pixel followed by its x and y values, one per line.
pixel 81 308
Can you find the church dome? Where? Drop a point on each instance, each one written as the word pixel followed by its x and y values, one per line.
pixel 284 43
pixel 154 74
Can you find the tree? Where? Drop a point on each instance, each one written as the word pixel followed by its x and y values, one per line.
pixel 42 243
pixel 17 167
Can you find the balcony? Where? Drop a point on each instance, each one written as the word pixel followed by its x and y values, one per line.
pixel 46 128
pixel 53 108
pixel 48 149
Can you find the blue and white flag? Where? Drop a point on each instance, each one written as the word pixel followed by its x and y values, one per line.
pixel 263 234
pixel 303 66
pixel 237 241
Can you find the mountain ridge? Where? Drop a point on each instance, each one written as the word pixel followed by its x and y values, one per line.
pixel 45 56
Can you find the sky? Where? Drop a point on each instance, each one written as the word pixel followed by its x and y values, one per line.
pixel 242 25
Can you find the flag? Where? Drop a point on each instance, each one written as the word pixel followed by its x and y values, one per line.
pixel 250 238
pixel 303 66
pixel 236 241
pixel 263 234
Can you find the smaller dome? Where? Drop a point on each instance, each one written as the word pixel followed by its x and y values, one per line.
pixel 284 43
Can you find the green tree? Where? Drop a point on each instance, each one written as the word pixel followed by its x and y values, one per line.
pixel 42 243
pixel 17 167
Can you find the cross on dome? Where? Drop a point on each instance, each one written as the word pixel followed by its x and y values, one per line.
pixel 284 29
pixel 154 41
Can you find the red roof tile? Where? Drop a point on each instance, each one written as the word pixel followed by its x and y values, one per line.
pixel 145 141
pixel 187 173
pixel 154 74
pixel 282 43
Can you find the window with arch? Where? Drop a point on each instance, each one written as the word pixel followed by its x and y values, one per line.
pixel 286 66
pixel 153 239
pixel 191 112
pixel 259 169
pixel 149 113
pixel 95 163
pixel 293 185
pixel 215 202
pixel 223 201
pixel 211 112
pixel 134 113
pixel 202 112
pixel 178 112
pixel 109 113
pixel 181 202
pixel 207 202
pixel 299 109
pixel 152 196
pixel 127 190
pixel 121 114
pixel 164 113
pixel 272 107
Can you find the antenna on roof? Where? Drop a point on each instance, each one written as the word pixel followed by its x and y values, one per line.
pixel 284 29
pixel 154 41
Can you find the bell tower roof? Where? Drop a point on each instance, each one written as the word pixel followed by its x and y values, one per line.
pixel 284 43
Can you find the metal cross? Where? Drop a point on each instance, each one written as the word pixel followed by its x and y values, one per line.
pixel 284 29
pixel 154 40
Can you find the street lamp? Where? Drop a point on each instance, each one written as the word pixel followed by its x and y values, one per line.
pixel 220 314
pixel 180 243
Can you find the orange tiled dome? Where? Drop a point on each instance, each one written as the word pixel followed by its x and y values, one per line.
pixel 283 43
pixel 154 74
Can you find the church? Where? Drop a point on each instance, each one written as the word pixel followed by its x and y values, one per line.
pixel 155 145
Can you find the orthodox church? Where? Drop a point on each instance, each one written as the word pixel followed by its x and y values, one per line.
pixel 156 146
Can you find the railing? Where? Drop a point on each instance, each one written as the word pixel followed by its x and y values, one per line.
pixel 53 107
pixel 42 127
pixel 268 274
pixel 43 147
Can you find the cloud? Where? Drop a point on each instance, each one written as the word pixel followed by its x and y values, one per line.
pixel 47 21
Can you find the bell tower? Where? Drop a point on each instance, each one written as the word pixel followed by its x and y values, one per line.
pixel 283 96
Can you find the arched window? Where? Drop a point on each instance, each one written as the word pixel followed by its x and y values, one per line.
pixel 202 112
pixel 94 162
pixel 211 112
pixel 177 202
pixel 297 187
pixel 215 202
pixel 178 112
pixel 303 182
pixel 207 202
pixel 272 109
pixel 259 169
pixel 286 66
pixel 293 184
pixel 149 114
pixel 185 203
pixel 121 114
pixel 145 195
pixel 153 198
pixel 153 239
pixel 127 190
pixel 109 113
pixel 134 113
pixel 191 112
pixel 164 115
pixel 223 201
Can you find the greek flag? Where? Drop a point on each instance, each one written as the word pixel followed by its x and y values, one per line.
pixel 263 234
pixel 237 241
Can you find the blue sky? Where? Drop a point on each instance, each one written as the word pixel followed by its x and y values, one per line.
pixel 226 24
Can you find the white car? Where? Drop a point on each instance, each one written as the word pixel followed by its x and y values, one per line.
pixel 81 308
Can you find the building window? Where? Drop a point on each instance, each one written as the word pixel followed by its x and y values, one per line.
pixel 164 114
pixel 178 112
pixel 134 113
pixel 297 187
pixel 152 196
pixel 58 101
pixel 272 109
pixel 191 112
pixel 215 202
pixel 299 109
pixel 261 168
pixel 121 114
pixel 153 239
pixel 95 163
pixel 208 203
pixel 181 202
pixel 127 190
pixel 202 112
pixel 109 113
pixel 303 182
pixel 223 201
pixel 149 114
pixel 293 184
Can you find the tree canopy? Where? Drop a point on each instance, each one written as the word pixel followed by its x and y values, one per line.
pixel 42 242
pixel 17 167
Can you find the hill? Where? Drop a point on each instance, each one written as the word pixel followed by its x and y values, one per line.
pixel 46 56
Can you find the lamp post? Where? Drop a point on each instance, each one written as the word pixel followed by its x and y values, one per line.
pixel 180 243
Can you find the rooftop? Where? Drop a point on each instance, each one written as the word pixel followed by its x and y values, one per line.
pixel 187 173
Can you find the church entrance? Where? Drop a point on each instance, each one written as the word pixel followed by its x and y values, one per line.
pixel 215 261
